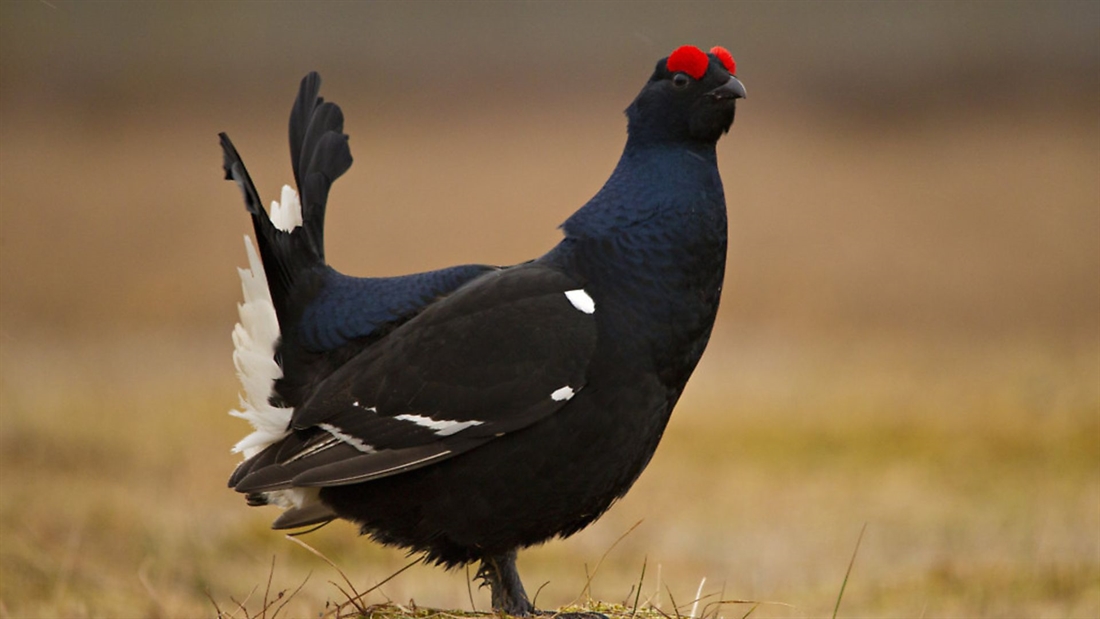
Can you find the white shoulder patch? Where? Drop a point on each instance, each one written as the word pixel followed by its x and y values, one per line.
pixel 580 300
pixel 565 393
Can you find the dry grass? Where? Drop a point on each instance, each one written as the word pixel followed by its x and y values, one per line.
pixel 977 474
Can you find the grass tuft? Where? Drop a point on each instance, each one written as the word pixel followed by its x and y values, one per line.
pixel 587 590
pixel 848 572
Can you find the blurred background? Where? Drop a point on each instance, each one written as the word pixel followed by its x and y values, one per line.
pixel 909 337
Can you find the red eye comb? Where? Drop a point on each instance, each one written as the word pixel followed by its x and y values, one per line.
pixel 725 57
pixel 689 59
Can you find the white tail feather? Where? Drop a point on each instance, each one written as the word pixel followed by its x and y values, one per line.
pixel 254 340
pixel 288 215
pixel 293 497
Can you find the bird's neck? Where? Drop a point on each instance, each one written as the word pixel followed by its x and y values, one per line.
pixel 652 247
pixel 654 184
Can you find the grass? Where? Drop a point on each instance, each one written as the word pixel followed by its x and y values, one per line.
pixel 353 605
pixel 977 473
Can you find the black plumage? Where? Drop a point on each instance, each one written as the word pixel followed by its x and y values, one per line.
pixel 472 411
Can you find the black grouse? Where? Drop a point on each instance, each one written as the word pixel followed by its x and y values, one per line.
pixel 469 412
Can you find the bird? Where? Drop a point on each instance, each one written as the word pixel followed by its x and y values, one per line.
pixel 466 413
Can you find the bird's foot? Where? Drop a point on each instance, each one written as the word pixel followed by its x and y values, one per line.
pixel 500 575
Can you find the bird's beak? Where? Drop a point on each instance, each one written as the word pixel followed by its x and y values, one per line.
pixel 733 89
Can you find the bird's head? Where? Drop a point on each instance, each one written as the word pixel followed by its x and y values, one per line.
pixel 691 97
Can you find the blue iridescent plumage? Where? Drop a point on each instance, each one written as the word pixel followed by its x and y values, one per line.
pixel 347 308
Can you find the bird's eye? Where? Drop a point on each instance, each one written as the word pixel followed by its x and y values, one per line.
pixel 680 80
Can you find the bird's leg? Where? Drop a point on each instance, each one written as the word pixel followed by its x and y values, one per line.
pixel 499 572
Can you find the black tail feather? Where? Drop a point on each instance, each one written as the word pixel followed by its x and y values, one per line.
pixel 331 158
pixel 300 116
pixel 319 155
pixel 235 171
pixel 284 254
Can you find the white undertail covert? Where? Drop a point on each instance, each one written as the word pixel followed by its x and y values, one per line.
pixel 254 340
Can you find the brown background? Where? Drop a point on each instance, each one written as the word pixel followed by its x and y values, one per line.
pixel 910 334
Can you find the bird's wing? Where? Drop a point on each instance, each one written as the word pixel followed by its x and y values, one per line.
pixel 497 355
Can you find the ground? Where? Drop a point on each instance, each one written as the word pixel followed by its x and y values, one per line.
pixel 976 476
